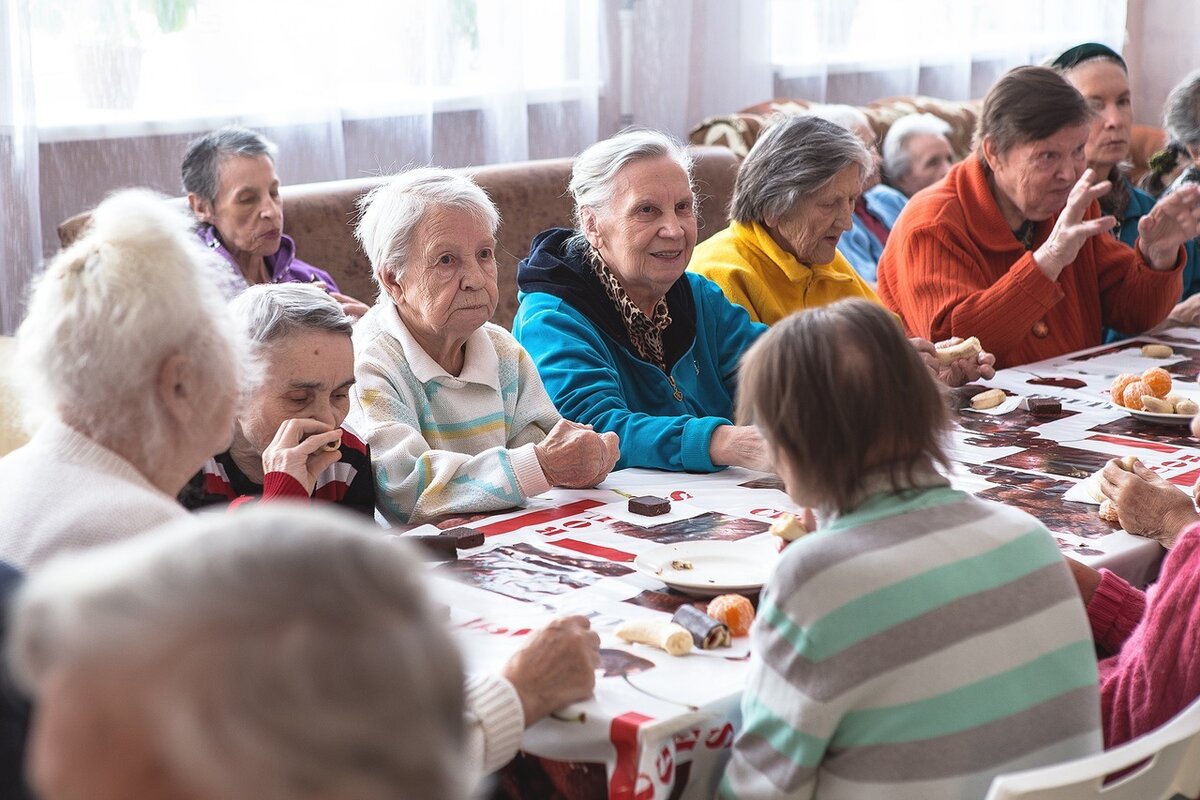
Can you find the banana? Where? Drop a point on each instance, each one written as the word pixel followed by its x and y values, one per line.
pixel 989 399
pixel 951 353
pixel 664 635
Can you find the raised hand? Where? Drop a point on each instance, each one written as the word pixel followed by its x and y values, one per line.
pixel 299 449
pixel 1173 220
pixel 1071 230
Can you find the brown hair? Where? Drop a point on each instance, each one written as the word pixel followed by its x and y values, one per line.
pixel 1026 105
pixel 840 393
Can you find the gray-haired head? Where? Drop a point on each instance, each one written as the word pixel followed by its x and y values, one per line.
pixel 849 117
pixel 287 653
pixel 202 161
pixel 135 290
pixel 896 159
pixel 595 169
pixel 793 159
pixel 273 311
pixel 392 213
pixel 1181 113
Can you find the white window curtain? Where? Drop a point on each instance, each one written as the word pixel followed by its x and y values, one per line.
pixel 346 89
pixel 855 51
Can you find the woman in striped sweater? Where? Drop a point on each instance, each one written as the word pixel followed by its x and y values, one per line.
pixel 920 641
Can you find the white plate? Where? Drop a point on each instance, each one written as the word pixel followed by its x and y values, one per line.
pixel 1159 419
pixel 717 567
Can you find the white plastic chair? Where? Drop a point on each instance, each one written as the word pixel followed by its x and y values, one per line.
pixel 1172 773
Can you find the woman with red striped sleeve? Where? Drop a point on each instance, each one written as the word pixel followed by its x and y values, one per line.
pixel 288 441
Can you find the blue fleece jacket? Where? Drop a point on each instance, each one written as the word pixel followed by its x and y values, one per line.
pixel 860 247
pixel 593 374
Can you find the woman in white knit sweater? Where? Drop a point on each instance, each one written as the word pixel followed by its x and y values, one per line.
pixel 128 357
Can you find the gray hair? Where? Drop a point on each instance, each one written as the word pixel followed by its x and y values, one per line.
pixel 848 117
pixel 272 311
pixel 134 290
pixel 1181 112
pixel 594 170
pixel 794 158
pixel 287 653
pixel 205 154
pixel 393 213
pixel 896 160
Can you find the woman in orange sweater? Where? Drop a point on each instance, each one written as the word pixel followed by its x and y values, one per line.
pixel 1006 248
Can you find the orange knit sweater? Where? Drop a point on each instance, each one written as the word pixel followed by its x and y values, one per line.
pixel 952 267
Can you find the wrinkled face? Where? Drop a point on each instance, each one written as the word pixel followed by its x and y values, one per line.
pixel 307 375
pixel 1106 88
pixel 930 158
pixel 448 288
pixel 811 229
pixel 86 744
pixel 1033 179
pixel 247 212
pixel 647 229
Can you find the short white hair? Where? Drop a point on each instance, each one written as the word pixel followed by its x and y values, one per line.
pixel 896 160
pixel 595 169
pixel 135 289
pixel 282 653
pixel 392 214
pixel 268 312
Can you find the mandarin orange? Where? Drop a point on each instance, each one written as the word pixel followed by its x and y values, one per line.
pixel 1117 391
pixel 1133 394
pixel 1159 381
pixel 734 610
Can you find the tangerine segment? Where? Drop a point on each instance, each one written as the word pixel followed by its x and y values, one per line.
pixel 734 610
pixel 1159 381
pixel 1117 392
pixel 1134 393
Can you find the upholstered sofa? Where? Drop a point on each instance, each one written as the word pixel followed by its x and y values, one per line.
pixel 738 131
pixel 531 197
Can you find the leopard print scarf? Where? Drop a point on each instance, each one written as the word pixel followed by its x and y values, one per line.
pixel 645 332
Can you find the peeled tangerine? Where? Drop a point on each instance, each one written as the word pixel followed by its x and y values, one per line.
pixel 734 610
pixel 1117 392
pixel 1159 381
pixel 1133 394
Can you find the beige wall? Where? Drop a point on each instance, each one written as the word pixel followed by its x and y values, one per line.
pixel 1164 45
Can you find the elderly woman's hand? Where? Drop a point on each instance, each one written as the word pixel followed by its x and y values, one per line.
pixel 299 450
pixel 956 373
pixel 354 309
pixel 739 446
pixel 1071 230
pixel 1186 312
pixel 556 668
pixel 1146 504
pixel 1173 220
pixel 576 457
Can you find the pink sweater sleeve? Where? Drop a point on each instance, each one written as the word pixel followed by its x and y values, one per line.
pixel 1114 611
pixel 1155 674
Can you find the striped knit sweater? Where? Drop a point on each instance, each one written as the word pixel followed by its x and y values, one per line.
pixel 952 267
pixel 915 648
pixel 444 444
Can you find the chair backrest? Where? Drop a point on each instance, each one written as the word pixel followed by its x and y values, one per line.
pixel 1171 771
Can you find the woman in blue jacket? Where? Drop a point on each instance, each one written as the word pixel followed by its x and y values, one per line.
pixel 625 339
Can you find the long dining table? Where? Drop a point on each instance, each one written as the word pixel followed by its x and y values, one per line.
pixel 661 726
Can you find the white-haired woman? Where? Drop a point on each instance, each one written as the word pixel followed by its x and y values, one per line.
pixel 129 351
pixel 287 655
pixel 288 441
pixel 453 408
pixel 231 185
pixel 916 152
pixel 625 339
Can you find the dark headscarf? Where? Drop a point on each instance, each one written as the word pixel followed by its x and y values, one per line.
pixel 1080 53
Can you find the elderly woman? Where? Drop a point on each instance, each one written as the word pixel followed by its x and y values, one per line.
pixel 1150 673
pixel 916 152
pixel 231 185
pixel 129 351
pixel 288 441
pixel 625 339
pixel 1006 247
pixel 884 638
pixel 1101 76
pixel 453 408
pixel 290 655
pixel 792 201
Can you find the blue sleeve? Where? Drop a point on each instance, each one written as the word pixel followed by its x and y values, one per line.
pixel 585 383
pixel 727 327
pixel 1191 271
pixel 862 250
